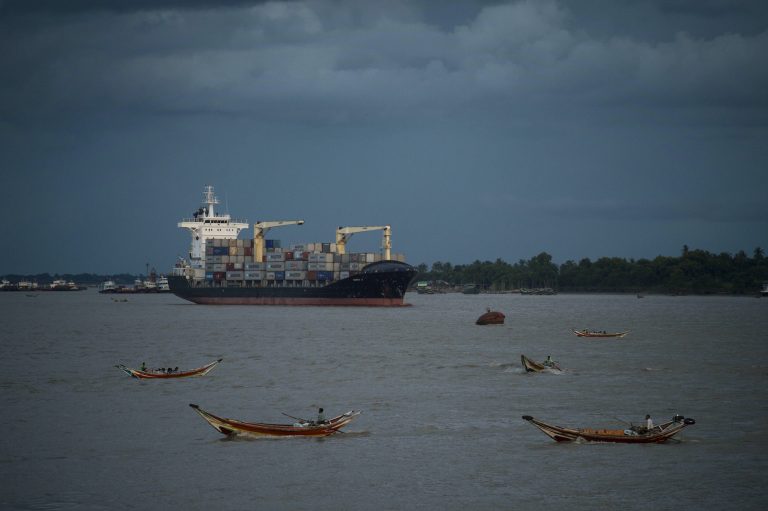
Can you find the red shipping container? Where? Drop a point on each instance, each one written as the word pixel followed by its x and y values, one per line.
pixel 219 275
pixel 311 275
pixel 248 251
pixel 230 266
pixel 289 256
pixel 304 256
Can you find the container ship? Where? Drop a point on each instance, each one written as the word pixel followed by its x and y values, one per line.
pixel 222 269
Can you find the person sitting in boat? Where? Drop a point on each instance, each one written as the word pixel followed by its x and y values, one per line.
pixel 176 369
pixel 549 362
pixel 144 366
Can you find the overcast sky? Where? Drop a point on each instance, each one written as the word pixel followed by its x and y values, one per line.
pixel 477 129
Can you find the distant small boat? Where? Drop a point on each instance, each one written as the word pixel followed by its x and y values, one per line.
pixel 764 290
pixel 491 318
pixel 536 367
pixel 589 333
pixel 153 375
pixel 658 434
pixel 471 289
pixel 232 427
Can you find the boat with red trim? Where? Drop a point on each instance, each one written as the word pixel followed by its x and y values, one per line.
pixel 304 428
pixel 163 374
pixel 633 435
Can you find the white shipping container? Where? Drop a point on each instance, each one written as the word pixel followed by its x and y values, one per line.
pixel 199 273
pixel 343 274
pixel 234 275
pixel 254 266
pixel 296 265
pixel 270 275
pixel 275 266
pixel 220 267
pixel 253 275
pixel 275 257
pixel 354 266
pixel 295 275
pixel 369 258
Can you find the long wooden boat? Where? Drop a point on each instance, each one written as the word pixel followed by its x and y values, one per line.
pixel 588 333
pixel 536 367
pixel 491 318
pixel 155 375
pixel 658 434
pixel 233 427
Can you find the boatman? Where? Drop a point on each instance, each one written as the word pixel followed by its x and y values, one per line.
pixel 320 417
pixel 144 366
pixel 549 362
pixel 648 423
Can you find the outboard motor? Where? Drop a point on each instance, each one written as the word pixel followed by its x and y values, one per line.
pixel 689 421
pixel 677 418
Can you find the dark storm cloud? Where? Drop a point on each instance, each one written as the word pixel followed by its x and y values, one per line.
pixel 245 58
pixel 654 111
pixel 13 7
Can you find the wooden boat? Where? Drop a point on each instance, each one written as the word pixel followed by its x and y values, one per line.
pixel 536 367
pixel 200 371
pixel 589 333
pixel 232 427
pixel 634 435
pixel 491 318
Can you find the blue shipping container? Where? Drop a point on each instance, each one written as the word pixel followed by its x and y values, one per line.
pixel 279 275
pixel 221 251
pixel 325 275
pixel 272 243
pixel 208 275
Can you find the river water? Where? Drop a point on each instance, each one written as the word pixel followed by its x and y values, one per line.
pixel 442 401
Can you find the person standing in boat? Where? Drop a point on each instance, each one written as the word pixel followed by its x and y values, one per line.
pixel 320 417
pixel 144 366
pixel 648 423
pixel 549 362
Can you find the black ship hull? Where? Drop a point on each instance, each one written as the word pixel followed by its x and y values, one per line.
pixel 381 284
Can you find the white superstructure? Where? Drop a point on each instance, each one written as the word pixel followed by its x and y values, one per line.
pixel 206 224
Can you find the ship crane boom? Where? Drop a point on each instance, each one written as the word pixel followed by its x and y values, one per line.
pixel 261 228
pixel 344 233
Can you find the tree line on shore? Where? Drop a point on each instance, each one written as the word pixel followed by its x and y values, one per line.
pixel 694 271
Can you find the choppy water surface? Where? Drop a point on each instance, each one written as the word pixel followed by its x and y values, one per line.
pixel 441 400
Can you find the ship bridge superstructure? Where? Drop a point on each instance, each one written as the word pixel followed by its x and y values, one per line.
pixel 206 224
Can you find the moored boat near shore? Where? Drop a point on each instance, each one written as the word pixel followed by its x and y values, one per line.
pixel 591 333
pixel 154 375
pixel 305 428
pixel 634 435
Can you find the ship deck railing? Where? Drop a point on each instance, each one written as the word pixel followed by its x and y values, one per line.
pixel 215 220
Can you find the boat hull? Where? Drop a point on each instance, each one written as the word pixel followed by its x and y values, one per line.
pixel 616 335
pixel 658 435
pixel 381 284
pixel 233 427
pixel 491 318
pixel 150 375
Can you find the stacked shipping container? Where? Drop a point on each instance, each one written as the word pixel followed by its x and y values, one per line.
pixel 231 262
